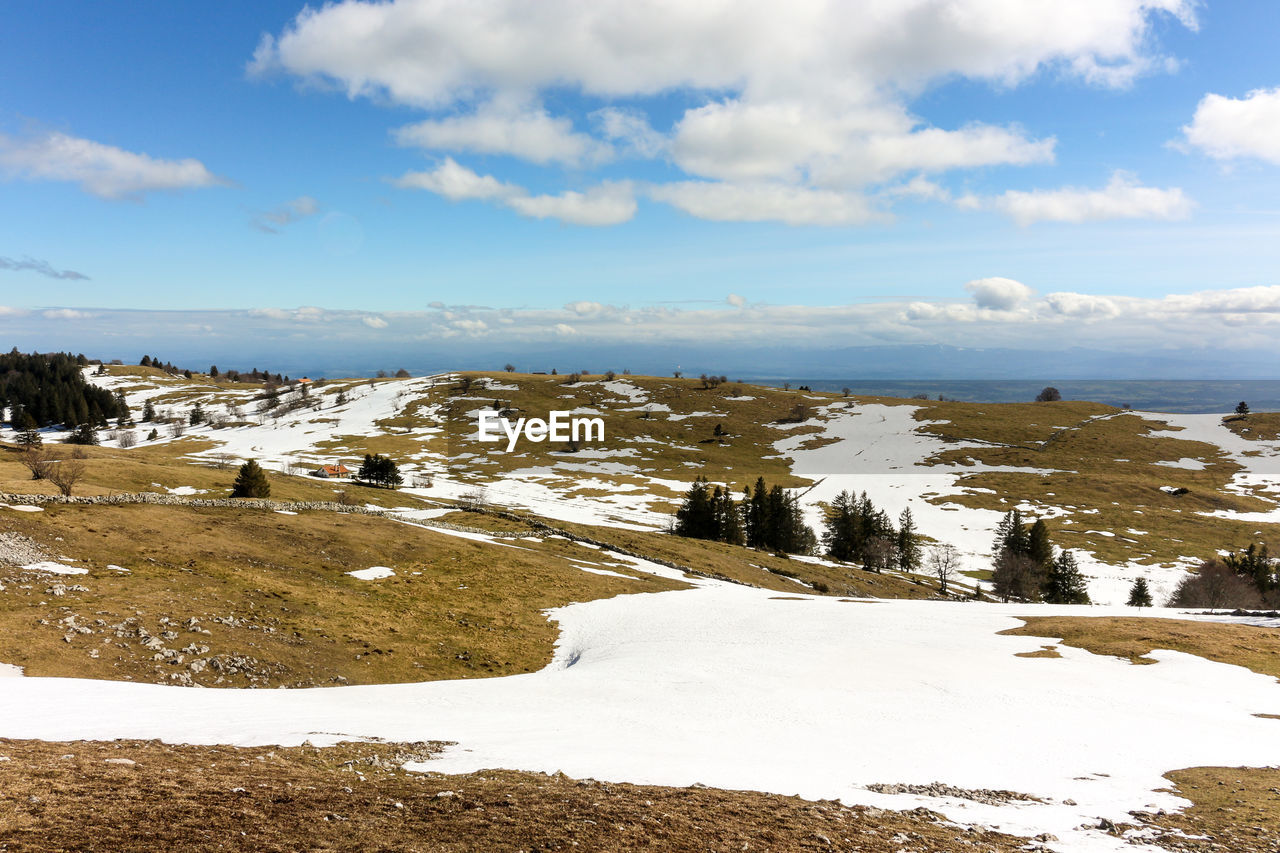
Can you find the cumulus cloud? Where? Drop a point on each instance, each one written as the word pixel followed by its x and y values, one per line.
pixel 1122 198
pixel 458 183
pixel 41 268
pixel 735 300
pixel 999 294
pixel 523 131
pixel 102 170
pixel 286 214
pixel 1082 305
pixel 374 322
pixel 1228 128
pixel 801 111
pixel 607 203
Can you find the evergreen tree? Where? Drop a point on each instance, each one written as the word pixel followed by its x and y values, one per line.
pixel 908 542
pixel 1139 594
pixel 148 412
pixel 84 434
pixel 1242 408
pixel 1011 536
pixel 251 482
pixel 1039 548
pixel 380 470
pixel 695 518
pixel 840 537
pixel 197 414
pixel 756 514
pixel 1255 564
pixel 30 438
pixel 1066 585
pixel 728 517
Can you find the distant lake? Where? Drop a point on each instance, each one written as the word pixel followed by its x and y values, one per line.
pixel 1191 396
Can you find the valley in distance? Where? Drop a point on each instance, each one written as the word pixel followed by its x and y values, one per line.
pixel 783 616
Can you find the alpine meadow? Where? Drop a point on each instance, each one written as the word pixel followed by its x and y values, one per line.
pixel 842 425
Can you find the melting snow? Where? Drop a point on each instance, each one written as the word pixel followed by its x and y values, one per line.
pixel 373 573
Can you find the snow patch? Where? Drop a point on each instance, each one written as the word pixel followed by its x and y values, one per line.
pixel 372 573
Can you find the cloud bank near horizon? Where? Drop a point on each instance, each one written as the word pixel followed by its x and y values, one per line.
pixel 997 313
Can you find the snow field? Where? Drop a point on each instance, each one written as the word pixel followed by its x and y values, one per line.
pixel 740 688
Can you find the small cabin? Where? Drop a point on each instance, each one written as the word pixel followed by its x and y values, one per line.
pixel 327 472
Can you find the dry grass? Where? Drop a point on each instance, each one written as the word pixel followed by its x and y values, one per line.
pixel 1258 426
pixel 139 469
pixel 272 588
pixel 1105 473
pixel 65 796
pixel 1233 808
pixel 1135 638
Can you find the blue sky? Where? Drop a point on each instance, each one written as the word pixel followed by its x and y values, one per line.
pixel 920 172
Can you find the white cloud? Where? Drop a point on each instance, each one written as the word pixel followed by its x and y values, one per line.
pixel 794 205
pixel 374 322
pixel 999 294
pixel 1082 305
pixel 65 314
pixel 630 129
pixel 735 300
pixel 1228 128
pixel 1122 198
pixel 458 183
pixel 584 307
pixel 523 131
pixel 102 170
pixel 8 311
pixel 431 54
pixel 810 98
pixel 607 203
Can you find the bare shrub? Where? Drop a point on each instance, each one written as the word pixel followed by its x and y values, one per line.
pixel 37 461
pixel 943 562
pixel 476 499
pixel 127 438
pixel 1216 586
pixel 65 475
pixel 177 428
pixel 344 498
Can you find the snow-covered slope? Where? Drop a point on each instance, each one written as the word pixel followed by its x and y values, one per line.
pixel 738 688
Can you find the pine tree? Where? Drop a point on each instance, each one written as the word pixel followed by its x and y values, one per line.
pixel 840 536
pixel 251 482
pixel 148 412
pixel 1242 408
pixel 908 542
pixel 1139 594
pixel 1065 584
pixel 695 518
pixel 380 470
pixel 30 438
pixel 197 414
pixel 1039 548
pixel 84 434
